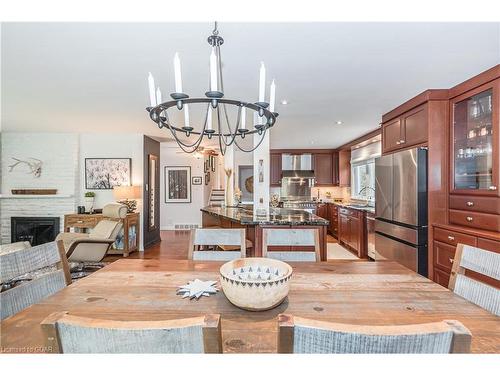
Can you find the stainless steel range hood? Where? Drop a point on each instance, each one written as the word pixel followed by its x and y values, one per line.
pixel 297 166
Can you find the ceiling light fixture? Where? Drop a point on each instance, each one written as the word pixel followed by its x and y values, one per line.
pixel 339 122
pixel 284 102
pixel 215 106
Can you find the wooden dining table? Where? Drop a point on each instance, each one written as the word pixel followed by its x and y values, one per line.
pixel 356 292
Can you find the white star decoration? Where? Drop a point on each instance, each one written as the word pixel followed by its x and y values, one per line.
pixel 197 288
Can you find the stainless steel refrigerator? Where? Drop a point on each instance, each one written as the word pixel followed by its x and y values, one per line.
pixel 401 208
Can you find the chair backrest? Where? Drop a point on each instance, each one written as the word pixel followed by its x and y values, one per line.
pixel 109 227
pixel 299 335
pixel 484 262
pixel 66 333
pixel 25 261
pixel 291 237
pixel 217 236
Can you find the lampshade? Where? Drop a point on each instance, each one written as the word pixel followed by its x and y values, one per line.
pixel 126 192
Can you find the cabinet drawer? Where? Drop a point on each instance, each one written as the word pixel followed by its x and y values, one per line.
pixel 80 221
pixel 475 220
pixel 453 238
pixel 491 245
pixel 444 255
pixel 346 211
pixel 478 204
pixel 441 277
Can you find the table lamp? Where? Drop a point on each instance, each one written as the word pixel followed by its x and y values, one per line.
pixel 127 195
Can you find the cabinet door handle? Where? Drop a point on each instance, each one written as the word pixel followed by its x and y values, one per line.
pixel 398 142
pixel 451 238
pixel 469 218
pixel 451 260
pixel 402 141
pixel 80 221
pixel 492 187
pixel 470 204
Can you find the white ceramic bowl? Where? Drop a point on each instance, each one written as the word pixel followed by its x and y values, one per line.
pixel 255 284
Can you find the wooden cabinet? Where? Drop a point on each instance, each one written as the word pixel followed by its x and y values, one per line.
pixel 323 165
pixel 444 244
pixel 344 168
pixel 351 231
pixel 391 134
pixel 474 140
pixel 407 130
pixel 333 218
pixel 275 169
pixel 322 210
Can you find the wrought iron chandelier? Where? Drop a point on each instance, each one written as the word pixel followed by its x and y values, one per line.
pixel 216 108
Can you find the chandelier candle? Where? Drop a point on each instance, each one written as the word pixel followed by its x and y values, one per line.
pixel 228 129
pixel 272 96
pixel 177 73
pixel 151 83
pixel 262 83
pixel 213 71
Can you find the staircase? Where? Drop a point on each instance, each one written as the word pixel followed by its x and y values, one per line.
pixel 216 197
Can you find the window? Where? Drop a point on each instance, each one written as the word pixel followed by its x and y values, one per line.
pixel 363 180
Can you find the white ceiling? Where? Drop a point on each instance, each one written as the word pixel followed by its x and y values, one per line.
pixel 92 77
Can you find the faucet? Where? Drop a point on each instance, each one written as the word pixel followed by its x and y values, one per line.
pixel 363 189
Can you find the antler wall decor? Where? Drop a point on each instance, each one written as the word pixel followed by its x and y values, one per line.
pixel 35 166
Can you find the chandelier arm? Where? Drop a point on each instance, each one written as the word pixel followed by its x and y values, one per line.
pixel 255 147
pixel 183 145
pixel 231 134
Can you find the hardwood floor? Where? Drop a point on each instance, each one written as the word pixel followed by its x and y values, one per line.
pixel 173 245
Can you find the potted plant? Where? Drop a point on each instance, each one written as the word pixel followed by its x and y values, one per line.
pixel 89 201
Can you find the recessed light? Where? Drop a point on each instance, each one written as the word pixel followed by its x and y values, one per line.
pixel 284 101
pixel 338 122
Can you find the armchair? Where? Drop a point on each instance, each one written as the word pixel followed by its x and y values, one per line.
pixel 92 247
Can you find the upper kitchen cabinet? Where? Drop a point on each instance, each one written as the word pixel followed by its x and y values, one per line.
pixel 409 124
pixel 325 167
pixel 345 168
pixel 475 141
pixel 275 169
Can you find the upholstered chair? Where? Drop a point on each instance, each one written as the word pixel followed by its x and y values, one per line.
pixel 92 247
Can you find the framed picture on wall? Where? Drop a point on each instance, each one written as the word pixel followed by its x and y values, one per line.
pixel 212 163
pixel 206 166
pixel 197 180
pixel 207 178
pixel 178 184
pixel 106 173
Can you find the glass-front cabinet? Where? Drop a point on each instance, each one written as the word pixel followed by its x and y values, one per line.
pixel 475 140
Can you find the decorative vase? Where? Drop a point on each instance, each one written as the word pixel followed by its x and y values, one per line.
pixel 89 204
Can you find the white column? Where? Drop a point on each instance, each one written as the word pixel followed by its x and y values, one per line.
pixel 229 181
pixel 261 171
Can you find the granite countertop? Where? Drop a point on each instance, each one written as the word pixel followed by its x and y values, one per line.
pixel 276 216
pixel 353 206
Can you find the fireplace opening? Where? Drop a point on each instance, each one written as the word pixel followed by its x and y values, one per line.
pixel 36 230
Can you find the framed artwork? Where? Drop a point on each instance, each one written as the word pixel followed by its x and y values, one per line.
pixel 207 178
pixel 196 180
pixel 106 173
pixel 212 163
pixel 245 177
pixel 177 184
pixel 260 169
pixel 207 165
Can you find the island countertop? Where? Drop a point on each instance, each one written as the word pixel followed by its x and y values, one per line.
pixel 276 216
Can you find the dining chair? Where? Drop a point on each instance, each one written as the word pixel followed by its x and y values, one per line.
pixel 217 237
pixel 65 333
pixel 291 237
pixel 31 274
pixel 300 335
pixel 483 262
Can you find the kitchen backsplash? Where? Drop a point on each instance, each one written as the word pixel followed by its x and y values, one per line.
pixel 335 192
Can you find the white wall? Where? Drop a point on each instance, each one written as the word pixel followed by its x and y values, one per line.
pixel 183 213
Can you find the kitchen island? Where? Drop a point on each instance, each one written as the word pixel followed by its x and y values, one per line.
pixel 239 217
